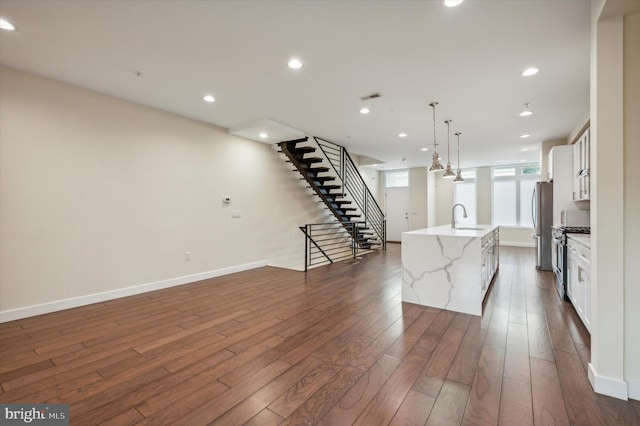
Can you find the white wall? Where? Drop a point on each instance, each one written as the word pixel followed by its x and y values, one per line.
pixel 432 199
pixel 577 130
pixel 483 190
pixel 444 203
pixel 632 203
pixel 370 176
pixel 99 195
pixel 418 194
pixel 609 193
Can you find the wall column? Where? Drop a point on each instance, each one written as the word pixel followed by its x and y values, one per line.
pixel 606 369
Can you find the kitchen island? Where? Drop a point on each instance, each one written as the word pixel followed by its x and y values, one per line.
pixel 449 268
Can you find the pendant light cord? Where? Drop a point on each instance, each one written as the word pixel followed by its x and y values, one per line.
pixel 448 144
pixel 435 145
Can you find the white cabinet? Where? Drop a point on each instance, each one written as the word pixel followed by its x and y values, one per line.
pixel 584 277
pixel 579 277
pixel 496 249
pixel 581 167
pixel 561 159
pixel 490 257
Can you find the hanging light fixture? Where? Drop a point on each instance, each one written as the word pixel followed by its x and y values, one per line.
pixel 448 173
pixel 435 165
pixel 458 172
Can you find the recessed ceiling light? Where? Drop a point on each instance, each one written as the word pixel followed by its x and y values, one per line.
pixel 209 98
pixel 524 136
pixel 522 160
pixel 402 135
pixel 424 149
pixel 6 25
pixel 526 111
pixel 295 64
pixel 530 71
pixel 364 110
pixel 374 165
pixel 524 149
pixel 263 135
pixel 452 3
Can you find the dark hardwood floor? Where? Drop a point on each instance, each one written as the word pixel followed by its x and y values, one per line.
pixel 334 346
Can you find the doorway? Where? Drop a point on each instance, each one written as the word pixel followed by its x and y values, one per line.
pixel 397 212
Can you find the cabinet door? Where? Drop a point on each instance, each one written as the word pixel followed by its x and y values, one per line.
pixel 484 279
pixel 586 289
pixel 496 239
pixel 581 167
pixel 577 167
pixel 586 148
pixel 572 278
pixel 578 290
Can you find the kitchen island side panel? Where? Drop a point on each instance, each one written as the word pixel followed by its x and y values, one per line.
pixel 443 272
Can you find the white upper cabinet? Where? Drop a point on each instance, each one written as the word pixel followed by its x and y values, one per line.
pixel 581 167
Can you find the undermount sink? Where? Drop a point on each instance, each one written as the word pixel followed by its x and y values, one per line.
pixel 468 228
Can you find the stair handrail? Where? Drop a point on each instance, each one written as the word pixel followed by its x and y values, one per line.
pixel 354 184
pixel 307 231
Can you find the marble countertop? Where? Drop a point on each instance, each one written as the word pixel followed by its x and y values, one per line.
pixel 474 231
pixel 584 239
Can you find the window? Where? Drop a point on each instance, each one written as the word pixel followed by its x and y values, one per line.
pixel 512 194
pixel 465 194
pixel 397 178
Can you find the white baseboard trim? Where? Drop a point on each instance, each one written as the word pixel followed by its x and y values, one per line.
pixel 74 302
pixel 634 389
pixel 608 386
pixel 516 244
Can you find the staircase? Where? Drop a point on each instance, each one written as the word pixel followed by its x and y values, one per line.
pixel 332 175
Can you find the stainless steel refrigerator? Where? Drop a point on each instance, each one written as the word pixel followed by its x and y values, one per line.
pixel 542 214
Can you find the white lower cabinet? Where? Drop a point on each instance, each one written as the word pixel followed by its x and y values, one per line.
pixel 579 278
pixel 490 259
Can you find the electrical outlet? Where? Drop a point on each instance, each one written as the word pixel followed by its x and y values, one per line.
pixel 187 256
pixel 236 214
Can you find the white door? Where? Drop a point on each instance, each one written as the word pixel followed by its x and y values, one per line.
pixel 397 206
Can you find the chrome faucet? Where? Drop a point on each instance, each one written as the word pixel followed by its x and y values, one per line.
pixel 453 214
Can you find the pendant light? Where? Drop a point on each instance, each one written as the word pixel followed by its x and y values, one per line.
pixel 435 165
pixel 448 173
pixel 458 172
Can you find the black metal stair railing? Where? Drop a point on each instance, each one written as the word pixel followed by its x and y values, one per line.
pixel 327 243
pixel 355 186
pixel 331 173
pixel 331 242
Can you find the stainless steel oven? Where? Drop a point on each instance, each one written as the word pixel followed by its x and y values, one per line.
pixel 559 255
pixel 558 260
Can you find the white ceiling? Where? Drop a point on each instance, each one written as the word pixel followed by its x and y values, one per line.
pixel 467 58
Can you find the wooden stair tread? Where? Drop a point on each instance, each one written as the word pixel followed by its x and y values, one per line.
pixel 303 149
pixel 311 160
pixel 317 169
